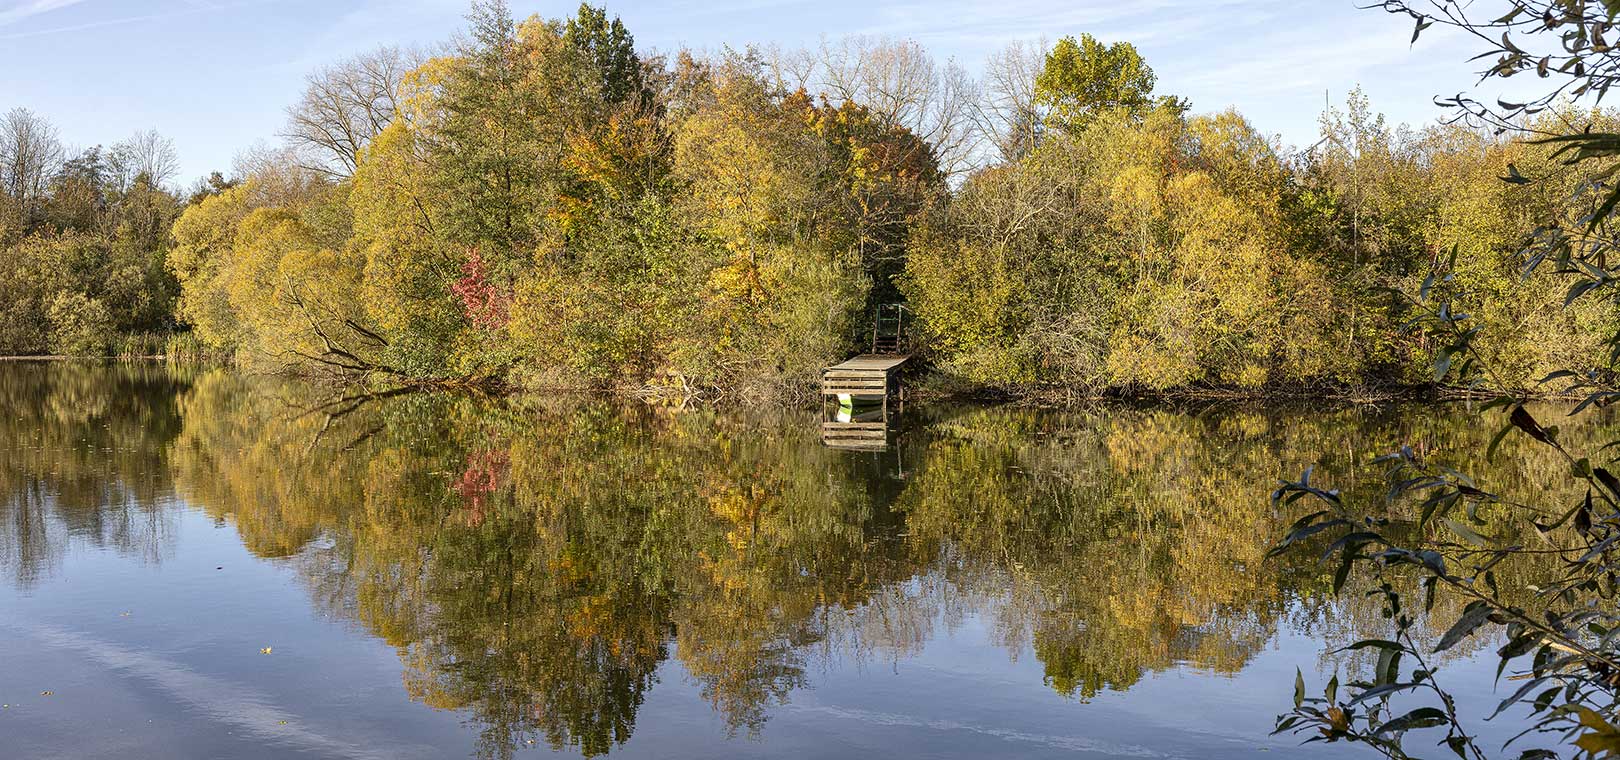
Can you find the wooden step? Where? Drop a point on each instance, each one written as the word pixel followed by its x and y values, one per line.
pixel 857 445
pixel 858 384
pixel 853 426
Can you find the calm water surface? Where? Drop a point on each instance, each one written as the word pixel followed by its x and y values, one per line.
pixel 199 564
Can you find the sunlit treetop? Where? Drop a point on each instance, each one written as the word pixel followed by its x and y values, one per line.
pixel 1084 78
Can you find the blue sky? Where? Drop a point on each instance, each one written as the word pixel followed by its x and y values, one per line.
pixel 215 75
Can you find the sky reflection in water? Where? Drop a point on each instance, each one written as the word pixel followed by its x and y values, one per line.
pixel 444 576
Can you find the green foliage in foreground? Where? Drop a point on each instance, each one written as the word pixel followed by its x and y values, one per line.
pixel 1552 600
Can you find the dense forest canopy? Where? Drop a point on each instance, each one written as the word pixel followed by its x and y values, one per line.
pixel 538 202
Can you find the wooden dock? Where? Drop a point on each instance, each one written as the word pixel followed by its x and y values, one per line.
pixel 860 382
pixel 865 376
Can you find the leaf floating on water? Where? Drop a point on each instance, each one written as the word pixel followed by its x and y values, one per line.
pixel 265 650
pixel 281 723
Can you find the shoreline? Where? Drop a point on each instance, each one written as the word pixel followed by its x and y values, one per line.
pixel 1038 398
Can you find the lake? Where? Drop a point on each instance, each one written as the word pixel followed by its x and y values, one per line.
pixel 199 563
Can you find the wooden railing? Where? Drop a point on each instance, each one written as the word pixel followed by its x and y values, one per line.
pixel 888 326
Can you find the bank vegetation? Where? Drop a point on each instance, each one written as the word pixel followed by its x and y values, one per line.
pixel 540 204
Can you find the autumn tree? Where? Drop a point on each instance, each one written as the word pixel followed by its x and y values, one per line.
pixel 273 276
pixel 82 248
pixel 1083 78
pixel 543 204
pixel 784 283
pixel 1136 254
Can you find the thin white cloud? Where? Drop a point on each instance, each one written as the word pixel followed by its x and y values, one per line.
pixel 193 7
pixel 237 707
pixel 30 8
pixel 1062 742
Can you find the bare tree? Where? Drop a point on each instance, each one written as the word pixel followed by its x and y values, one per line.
pixel 345 106
pixel 900 83
pixel 145 154
pixel 30 154
pixel 794 69
pixel 1006 112
pixel 279 173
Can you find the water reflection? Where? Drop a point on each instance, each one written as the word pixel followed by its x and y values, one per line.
pixel 83 462
pixel 535 563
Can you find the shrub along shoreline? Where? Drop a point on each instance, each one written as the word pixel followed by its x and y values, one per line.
pixel 539 205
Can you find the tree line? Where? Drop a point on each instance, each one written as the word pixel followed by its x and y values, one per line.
pixel 542 204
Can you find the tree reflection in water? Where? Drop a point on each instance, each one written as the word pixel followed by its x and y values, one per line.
pixel 535 561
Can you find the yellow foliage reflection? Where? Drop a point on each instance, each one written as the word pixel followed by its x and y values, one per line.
pixel 540 565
